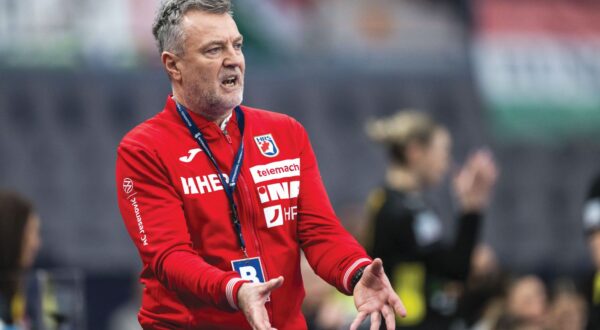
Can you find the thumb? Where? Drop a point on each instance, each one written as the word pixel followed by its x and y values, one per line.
pixel 376 267
pixel 272 284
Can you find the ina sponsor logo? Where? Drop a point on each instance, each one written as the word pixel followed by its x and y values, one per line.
pixel 267 146
pixel 278 191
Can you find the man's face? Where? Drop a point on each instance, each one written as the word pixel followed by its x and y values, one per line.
pixel 212 65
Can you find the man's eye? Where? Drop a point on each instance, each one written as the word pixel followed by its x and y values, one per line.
pixel 213 50
pixel 238 46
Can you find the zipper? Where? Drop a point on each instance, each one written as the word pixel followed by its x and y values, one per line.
pixel 246 196
pixel 250 212
pixel 227 137
pixel 251 218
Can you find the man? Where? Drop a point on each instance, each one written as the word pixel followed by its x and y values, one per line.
pixel 220 198
pixel 591 225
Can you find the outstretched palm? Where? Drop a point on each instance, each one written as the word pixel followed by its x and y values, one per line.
pixel 252 298
pixel 374 296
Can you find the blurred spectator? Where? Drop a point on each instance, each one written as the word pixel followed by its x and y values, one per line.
pixel 480 305
pixel 407 233
pixel 591 224
pixel 19 244
pixel 526 305
pixel 567 310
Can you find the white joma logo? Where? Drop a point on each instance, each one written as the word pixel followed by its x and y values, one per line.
pixel 191 154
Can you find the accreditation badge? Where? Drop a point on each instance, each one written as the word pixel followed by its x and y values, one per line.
pixel 249 269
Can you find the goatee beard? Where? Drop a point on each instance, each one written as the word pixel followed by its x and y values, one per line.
pixel 211 106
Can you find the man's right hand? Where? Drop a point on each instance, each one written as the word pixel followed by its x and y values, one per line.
pixel 251 300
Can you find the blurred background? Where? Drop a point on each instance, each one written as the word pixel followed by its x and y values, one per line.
pixel 519 77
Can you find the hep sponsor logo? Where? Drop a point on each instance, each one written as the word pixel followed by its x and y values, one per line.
pixel 275 215
pixel 278 191
pixel 202 184
pixel 267 146
pixel 276 170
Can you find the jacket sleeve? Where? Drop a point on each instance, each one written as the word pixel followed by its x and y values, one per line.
pixel 454 260
pixel 154 217
pixel 331 251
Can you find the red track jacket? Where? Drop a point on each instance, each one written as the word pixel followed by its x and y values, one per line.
pixel 177 214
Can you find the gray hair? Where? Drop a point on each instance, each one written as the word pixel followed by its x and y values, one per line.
pixel 166 28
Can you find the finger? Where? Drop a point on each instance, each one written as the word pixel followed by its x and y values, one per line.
pixel 488 162
pixel 395 302
pixel 272 285
pixel 469 174
pixel 375 320
pixel 255 321
pixel 358 320
pixel 260 318
pixel 486 153
pixel 492 169
pixel 390 318
pixel 398 305
pixel 482 161
pixel 377 267
pixel 265 318
pixel 266 324
pixel 486 170
pixel 464 176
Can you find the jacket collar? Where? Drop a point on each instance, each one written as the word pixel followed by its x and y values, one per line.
pixel 200 121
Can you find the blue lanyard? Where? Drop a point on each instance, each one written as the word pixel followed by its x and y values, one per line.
pixel 228 187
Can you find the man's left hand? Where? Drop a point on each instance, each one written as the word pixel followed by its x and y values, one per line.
pixel 374 296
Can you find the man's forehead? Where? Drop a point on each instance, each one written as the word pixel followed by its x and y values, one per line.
pixel 208 25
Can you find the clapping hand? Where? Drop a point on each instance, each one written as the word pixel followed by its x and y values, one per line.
pixel 475 180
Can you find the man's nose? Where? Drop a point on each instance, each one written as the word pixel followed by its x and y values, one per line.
pixel 233 58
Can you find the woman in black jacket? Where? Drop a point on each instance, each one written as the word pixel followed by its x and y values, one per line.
pixel 406 232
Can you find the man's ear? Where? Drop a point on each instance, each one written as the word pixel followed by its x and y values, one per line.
pixel 171 64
